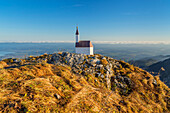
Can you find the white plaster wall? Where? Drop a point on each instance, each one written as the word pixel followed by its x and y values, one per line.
pixel 91 50
pixel 77 38
pixel 84 50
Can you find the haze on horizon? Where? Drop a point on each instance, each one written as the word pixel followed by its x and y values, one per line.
pixel 98 20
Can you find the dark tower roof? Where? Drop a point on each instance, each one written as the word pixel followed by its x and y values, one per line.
pixel 77 31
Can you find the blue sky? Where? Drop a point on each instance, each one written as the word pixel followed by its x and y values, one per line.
pixel 98 20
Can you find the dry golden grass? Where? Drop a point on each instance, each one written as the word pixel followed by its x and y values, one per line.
pixel 33 88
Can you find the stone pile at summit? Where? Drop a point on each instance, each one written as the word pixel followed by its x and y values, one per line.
pixel 85 64
pixel 113 73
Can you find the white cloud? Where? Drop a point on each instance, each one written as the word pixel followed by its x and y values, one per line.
pixel 132 42
pixel 36 41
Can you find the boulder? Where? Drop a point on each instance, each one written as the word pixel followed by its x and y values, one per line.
pixel 108 83
pixel 103 58
pixel 120 78
pixel 102 76
pixel 98 74
pixel 154 82
pixel 127 80
pixel 115 81
pixel 99 66
pixel 57 96
pixel 120 85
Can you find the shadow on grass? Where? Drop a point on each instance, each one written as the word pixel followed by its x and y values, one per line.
pixel 16 66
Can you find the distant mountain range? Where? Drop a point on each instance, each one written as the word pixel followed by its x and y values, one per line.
pixel 162 68
pixel 156 65
pixel 145 62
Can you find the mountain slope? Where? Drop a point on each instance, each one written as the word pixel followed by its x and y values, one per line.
pixel 145 62
pixel 67 82
pixel 164 74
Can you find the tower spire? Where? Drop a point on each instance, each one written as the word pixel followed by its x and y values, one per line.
pixel 77 31
pixel 77 35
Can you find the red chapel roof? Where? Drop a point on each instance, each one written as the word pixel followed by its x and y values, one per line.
pixel 84 44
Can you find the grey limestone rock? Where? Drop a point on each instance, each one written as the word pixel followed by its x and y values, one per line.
pixel 120 78
pixel 102 76
pixel 99 66
pixel 103 58
pixel 127 80
pixel 57 96
pixel 154 82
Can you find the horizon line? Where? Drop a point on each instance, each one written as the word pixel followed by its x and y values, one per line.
pixel 96 42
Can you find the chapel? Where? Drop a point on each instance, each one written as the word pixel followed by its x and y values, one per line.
pixel 83 46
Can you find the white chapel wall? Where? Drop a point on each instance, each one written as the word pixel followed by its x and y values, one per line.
pixel 91 50
pixel 84 50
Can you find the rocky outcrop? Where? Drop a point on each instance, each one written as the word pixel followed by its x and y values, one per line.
pixel 99 66
pixel 86 64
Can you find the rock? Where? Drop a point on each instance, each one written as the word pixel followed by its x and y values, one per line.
pixel 103 58
pixel 85 65
pixel 107 73
pixel 55 58
pixel 99 66
pixel 81 59
pixel 120 78
pixel 98 74
pixel 92 57
pixel 94 62
pixel 102 76
pixel 108 83
pixel 98 62
pixel 70 61
pixel 65 54
pixel 57 96
pixel 127 80
pixel 87 61
pixel 114 66
pixel 115 81
pixel 154 82
pixel 121 86
pixel 107 67
pixel 16 60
